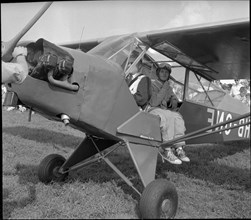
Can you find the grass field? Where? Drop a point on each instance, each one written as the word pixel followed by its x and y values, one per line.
pixel 215 184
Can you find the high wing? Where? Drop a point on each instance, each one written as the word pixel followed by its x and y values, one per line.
pixel 214 50
pixel 223 47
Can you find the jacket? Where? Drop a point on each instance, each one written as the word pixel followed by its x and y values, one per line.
pixel 140 87
pixel 162 94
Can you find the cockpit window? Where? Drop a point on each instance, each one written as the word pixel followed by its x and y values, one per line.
pixel 112 46
pixel 121 56
pixel 203 91
pixel 120 50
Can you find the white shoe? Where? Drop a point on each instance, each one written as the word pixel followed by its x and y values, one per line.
pixel 21 108
pixel 10 109
pixel 182 155
pixel 170 157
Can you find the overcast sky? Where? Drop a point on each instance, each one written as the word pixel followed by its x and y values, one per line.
pixel 64 21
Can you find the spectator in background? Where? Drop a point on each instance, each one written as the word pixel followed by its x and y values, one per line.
pixel 226 87
pixel 4 90
pixel 248 99
pixel 235 90
pixel 242 95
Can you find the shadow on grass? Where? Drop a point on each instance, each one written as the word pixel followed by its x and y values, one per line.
pixel 204 165
pixel 100 172
pixel 97 172
pixel 213 151
pixel 44 136
pixel 201 166
pixel 27 176
pixel 9 205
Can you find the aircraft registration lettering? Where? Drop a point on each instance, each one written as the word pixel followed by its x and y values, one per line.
pixel 210 120
pixel 244 131
pixel 217 116
pixel 229 116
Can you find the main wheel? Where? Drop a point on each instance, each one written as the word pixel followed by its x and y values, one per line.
pixel 159 200
pixel 48 169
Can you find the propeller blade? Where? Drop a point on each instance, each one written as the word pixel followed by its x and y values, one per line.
pixel 8 47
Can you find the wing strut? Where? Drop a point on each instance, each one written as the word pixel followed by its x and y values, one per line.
pixel 199 133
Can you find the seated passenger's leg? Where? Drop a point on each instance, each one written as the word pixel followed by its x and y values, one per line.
pixel 167 122
pixel 179 126
pixel 180 131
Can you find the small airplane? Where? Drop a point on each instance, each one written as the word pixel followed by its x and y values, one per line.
pixel 83 85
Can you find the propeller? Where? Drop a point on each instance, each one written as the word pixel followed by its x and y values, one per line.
pixel 8 47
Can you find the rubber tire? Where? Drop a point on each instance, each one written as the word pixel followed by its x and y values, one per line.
pixel 46 167
pixel 153 196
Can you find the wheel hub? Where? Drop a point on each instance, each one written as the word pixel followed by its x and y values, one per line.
pixel 56 172
pixel 166 205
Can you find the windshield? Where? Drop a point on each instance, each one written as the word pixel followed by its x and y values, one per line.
pixel 121 49
pixel 116 49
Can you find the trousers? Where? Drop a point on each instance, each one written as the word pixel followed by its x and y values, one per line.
pixel 172 124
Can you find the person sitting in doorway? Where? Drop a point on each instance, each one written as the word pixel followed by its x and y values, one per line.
pixel 164 103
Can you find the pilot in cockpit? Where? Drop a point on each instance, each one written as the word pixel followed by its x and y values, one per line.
pixel 139 84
